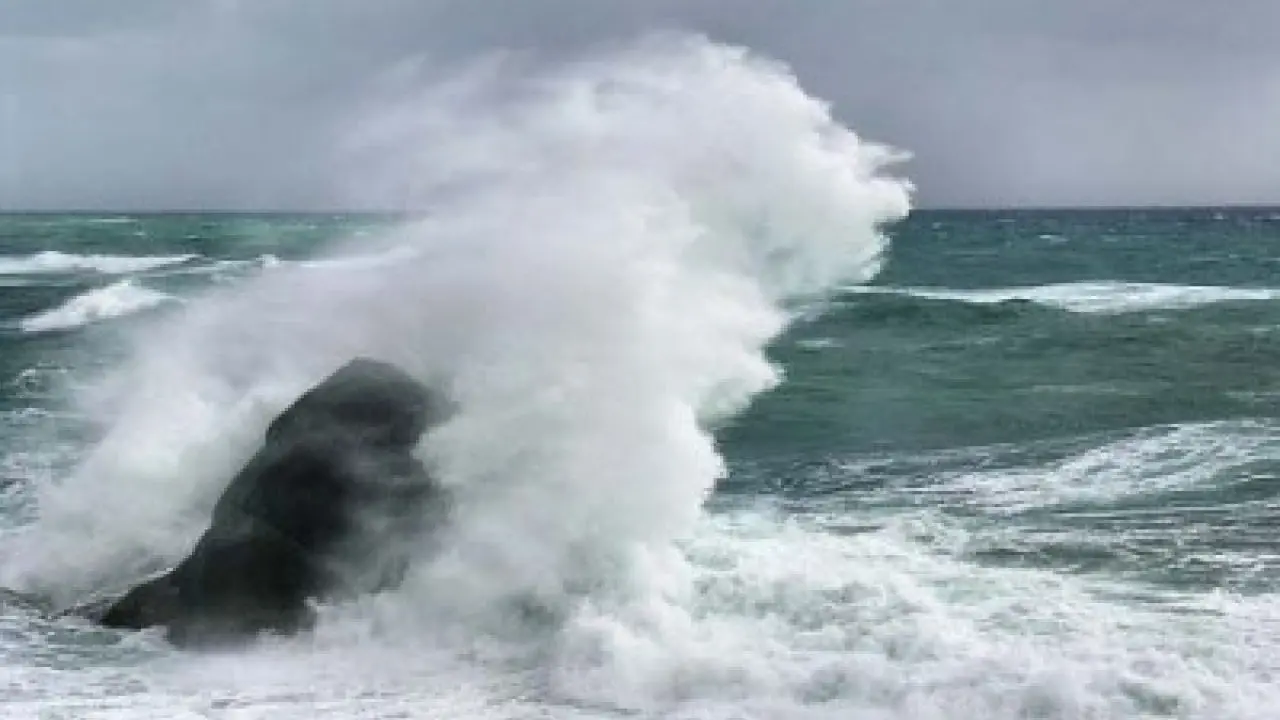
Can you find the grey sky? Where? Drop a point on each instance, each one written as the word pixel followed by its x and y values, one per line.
pixel 145 104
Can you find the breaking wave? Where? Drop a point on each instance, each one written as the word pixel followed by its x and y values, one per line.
pixel 54 262
pixel 113 301
pixel 610 246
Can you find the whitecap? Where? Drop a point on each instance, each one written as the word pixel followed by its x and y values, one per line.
pixel 53 262
pixel 113 301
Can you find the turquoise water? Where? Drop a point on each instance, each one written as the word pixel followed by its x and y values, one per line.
pixel 1031 470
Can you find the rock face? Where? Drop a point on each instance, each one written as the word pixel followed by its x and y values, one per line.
pixel 331 505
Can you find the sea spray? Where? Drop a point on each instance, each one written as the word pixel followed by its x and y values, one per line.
pixel 608 247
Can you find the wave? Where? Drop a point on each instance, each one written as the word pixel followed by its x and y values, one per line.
pixel 235 268
pixel 221 270
pixel 631 231
pixel 1147 462
pixel 55 262
pixel 1090 297
pixel 611 246
pixel 114 220
pixel 113 301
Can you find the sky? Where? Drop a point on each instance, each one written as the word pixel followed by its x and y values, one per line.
pixel 237 104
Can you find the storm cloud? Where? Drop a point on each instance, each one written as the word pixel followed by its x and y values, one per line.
pixel 219 104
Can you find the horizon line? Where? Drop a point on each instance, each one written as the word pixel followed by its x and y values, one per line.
pixel 1250 205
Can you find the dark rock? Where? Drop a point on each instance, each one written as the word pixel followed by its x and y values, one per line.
pixel 333 504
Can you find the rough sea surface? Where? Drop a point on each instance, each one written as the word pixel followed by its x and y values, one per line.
pixel 1031 471
pixel 724 449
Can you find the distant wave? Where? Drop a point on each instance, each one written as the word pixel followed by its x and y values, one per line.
pixel 219 268
pixel 270 261
pixel 53 261
pixel 1092 297
pixel 117 220
pixel 113 301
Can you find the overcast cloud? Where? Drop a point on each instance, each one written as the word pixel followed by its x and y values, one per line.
pixel 157 104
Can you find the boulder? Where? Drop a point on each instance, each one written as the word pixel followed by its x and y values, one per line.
pixel 333 504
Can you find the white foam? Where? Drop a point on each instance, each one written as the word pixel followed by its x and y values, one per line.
pixel 1094 297
pixel 781 619
pixel 53 261
pixel 605 285
pixel 793 621
pixel 113 301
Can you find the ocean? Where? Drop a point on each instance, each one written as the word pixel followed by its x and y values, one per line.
pixel 761 442
pixel 1032 469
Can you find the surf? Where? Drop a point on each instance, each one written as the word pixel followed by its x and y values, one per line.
pixel 605 249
